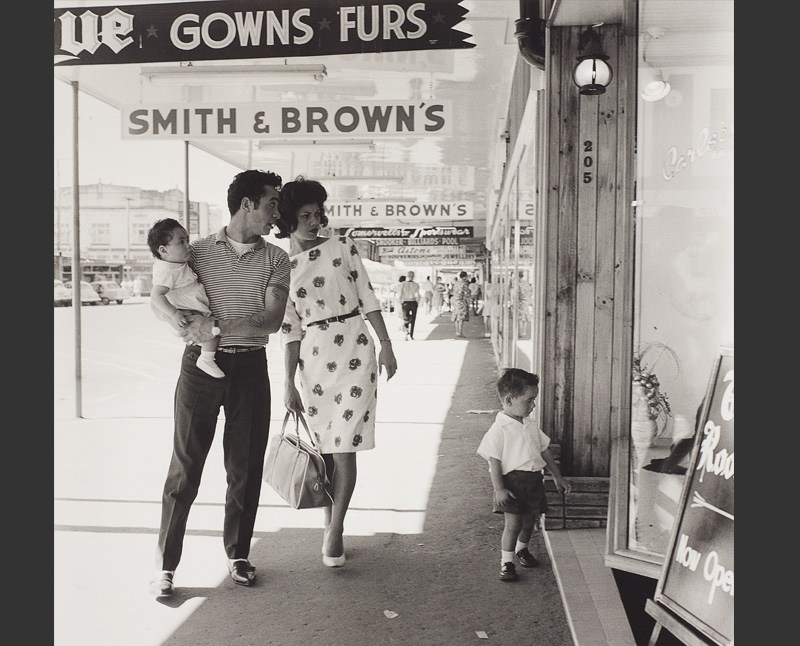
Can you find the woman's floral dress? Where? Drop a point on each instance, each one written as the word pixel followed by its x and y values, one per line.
pixel 460 300
pixel 337 369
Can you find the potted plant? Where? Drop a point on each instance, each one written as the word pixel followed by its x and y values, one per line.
pixel 650 409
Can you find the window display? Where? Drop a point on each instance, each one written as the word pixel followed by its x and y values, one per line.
pixel 683 300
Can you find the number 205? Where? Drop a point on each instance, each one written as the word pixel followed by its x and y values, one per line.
pixel 588 161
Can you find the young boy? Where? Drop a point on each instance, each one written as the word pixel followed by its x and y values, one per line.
pixel 517 452
pixel 175 285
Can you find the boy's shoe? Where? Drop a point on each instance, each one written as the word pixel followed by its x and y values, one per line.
pixel 162 585
pixel 210 367
pixel 526 559
pixel 241 571
pixel 508 572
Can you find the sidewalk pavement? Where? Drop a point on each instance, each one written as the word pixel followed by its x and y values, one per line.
pixel 422 544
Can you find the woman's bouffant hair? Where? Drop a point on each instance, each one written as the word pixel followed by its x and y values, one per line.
pixel 294 195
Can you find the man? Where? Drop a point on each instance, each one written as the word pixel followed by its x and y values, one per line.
pixel 247 281
pixel 426 287
pixel 409 301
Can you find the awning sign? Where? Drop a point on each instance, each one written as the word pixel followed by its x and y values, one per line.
pixel 394 213
pixel 250 29
pixel 286 120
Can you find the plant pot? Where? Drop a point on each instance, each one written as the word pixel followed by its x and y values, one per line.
pixel 643 432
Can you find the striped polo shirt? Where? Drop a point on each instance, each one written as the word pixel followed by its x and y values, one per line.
pixel 237 286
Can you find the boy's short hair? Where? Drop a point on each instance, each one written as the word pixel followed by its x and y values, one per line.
pixel 514 381
pixel 161 233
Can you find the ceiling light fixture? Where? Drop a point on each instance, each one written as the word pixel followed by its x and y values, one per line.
pixel 332 145
pixel 592 74
pixel 652 81
pixel 234 74
pixel 376 180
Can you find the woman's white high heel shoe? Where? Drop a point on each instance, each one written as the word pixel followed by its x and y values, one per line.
pixel 334 561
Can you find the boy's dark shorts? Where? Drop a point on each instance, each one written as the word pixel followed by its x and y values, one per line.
pixel 528 487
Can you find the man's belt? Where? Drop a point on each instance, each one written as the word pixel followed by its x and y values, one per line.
pixel 233 349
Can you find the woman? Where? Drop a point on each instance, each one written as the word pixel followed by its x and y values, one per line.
pixel 460 302
pixel 324 336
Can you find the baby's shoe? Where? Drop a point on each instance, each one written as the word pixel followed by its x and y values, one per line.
pixel 210 367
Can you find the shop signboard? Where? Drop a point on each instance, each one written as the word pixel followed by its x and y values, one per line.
pixel 287 120
pixel 394 213
pixel 407 233
pixel 697 581
pixel 251 29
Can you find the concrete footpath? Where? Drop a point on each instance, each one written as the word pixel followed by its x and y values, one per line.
pixel 422 544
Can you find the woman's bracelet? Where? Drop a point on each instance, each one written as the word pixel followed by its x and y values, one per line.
pixel 385 340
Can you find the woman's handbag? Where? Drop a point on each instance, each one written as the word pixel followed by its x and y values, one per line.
pixel 295 469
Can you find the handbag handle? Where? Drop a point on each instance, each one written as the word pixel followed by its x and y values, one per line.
pixel 298 417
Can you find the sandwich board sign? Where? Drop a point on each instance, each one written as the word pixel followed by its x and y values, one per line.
pixel 694 597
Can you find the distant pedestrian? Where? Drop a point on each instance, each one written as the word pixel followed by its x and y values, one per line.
pixel 460 303
pixel 426 288
pixel 409 300
pixel 517 452
pixel 439 291
pixel 397 289
pixel 474 294
pixel 176 287
pixel 488 306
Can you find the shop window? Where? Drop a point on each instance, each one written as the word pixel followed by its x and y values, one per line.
pixel 683 293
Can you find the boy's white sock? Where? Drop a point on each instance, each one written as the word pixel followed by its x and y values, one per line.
pixel 506 557
pixel 207 364
pixel 520 546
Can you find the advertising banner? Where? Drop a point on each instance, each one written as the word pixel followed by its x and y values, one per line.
pixel 384 234
pixel 286 120
pixel 251 29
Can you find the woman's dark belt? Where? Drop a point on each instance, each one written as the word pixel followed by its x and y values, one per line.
pixel 334 319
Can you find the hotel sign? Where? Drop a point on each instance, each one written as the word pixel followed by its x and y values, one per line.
pixel 251 29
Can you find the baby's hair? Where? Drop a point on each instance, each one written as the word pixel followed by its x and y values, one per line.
pixel 161 233
pixel 514 381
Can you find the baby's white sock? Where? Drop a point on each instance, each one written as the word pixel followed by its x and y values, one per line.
pixel 520 546
pixel 506 557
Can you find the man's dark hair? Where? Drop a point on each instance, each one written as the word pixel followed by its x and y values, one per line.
pixel 250 184
pixel 293 197
pixel 161 233
pixel 514 381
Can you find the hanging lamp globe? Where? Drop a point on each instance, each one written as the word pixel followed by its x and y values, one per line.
pixel 592 74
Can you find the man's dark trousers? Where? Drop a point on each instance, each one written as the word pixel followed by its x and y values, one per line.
pixel 410 316
pixel 244 394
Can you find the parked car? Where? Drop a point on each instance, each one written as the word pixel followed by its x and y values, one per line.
pixel 62 296
pixel 109 291
pixel 88 295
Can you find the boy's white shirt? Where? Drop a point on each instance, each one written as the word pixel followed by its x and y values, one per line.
pixel 518 445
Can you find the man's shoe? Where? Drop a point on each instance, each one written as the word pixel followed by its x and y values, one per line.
pixel 526 559
pixel 508 572
pixel 242 572
pixel 162 585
